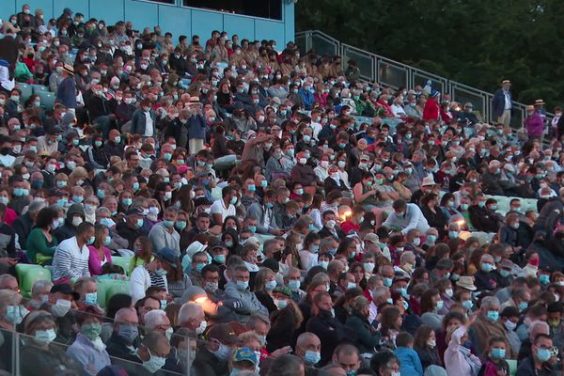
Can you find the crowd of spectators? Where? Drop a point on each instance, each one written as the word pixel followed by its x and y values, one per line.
pixel 265 212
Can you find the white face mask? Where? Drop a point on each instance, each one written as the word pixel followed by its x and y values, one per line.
pixel 202 328
pixel 60 308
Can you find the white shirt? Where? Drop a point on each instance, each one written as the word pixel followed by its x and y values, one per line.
pixel 398 110
pixel 149 130
pixel 218 208
pixel 316 129
pixel 70 260
pixel 413 218
pixel 139 282
pixel 507 100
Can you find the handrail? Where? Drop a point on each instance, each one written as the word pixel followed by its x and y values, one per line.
pixel 482 98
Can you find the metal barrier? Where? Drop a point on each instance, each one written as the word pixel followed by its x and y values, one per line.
pixel 397 75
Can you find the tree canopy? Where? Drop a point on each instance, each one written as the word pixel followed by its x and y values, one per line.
pixel 475 42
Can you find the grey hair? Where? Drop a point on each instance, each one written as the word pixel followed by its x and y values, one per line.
pixel 490 301
pixel 39 286
pixel 154 318
pixel 188 311
pixel 122 312
pixel 103 210
pixel 35 206
pixel 4 278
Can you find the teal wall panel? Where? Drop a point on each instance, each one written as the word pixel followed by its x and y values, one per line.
pixel 110 11
pixel 203 23
pixel 174 18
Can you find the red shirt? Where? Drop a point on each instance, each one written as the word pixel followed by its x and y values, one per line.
pixel 348 226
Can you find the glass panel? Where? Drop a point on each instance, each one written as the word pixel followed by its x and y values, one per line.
pixel 392 75
pixel 322 46
pixel 300 41
pixel 255 8
pixel 421 79
pixel 517 117
pixel 462 96
pixel 363 61
pixel 7 342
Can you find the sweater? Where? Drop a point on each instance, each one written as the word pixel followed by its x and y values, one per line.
pixel 37 244
pixel 70 261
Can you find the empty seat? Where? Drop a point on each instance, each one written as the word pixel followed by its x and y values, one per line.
pixel 39 88
pixel 47 99
pixel 108 288
pixel 28 274
pixel 26 90
pixel 124 262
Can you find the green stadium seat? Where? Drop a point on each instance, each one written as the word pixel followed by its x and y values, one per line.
pixel 28 274
pixel 47 99
pixel 124 262
pixel 39 88
pixel 108 288
pixel 26 90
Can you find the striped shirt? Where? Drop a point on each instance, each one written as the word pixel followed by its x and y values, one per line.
pixel 70 261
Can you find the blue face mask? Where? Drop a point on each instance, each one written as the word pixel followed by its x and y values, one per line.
pixel 270 285
pixel 497 353
pixel 468 304
pixel 312 357
pixel 140 223
pixel 388 282
pixel 242 285
pixel 253 229
pixel 523 306
pixel 487 267
pixel 543 354
pixel 493 315
pixel 91 298
pixel 544 279
pixel 294 284
pixel 200 266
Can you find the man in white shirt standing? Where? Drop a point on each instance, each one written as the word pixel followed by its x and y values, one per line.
pixel 71 256
pixel 406 217
pixel 225 206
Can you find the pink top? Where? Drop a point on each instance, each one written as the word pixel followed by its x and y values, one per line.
pixel 94 262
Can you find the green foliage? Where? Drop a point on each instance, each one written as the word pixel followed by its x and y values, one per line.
pixel 476 42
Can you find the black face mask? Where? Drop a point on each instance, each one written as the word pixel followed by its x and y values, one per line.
pixel 5 151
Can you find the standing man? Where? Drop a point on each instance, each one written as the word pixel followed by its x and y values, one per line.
pixel 66 92
pixel 503 104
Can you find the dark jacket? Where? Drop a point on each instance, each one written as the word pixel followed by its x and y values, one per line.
pixel 331 333
pixel 331 185
pixel 428 356
pixel 482 219
pixel 139 122
pixel 22 226
pixel 527 368
pixel 47 362
pixel 66 92
pixel 485 281
pixel 117 348
pixel 197 127
pixel 498 103
pixel 367 336
pixel 303 174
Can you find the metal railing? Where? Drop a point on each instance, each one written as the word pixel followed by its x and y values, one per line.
pixel 394 74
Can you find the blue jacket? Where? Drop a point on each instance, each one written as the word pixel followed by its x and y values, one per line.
pixel 498 103
pixel 139 121
pixel 66 92
pixel 409 362
pixel 197 127
pixel 307 98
